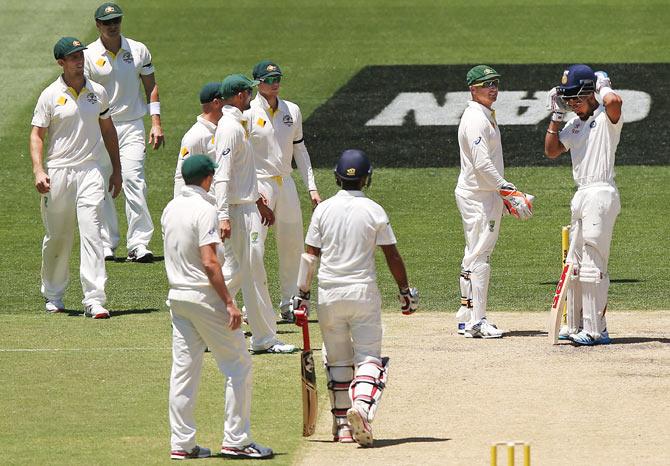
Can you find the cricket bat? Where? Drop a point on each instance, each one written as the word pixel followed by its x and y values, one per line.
pixel 561 293
pixel 308 376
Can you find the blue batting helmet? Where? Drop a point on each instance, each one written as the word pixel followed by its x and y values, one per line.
pixel 577 81
pixel 353 165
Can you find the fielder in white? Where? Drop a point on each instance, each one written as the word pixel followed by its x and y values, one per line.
pixel 481 195
pixel 121 65
pixel 74 113
pixel 277 140
pixel 592 137
pixel 204 315
pixel 199 139
pixel 243 215
pixel 345 231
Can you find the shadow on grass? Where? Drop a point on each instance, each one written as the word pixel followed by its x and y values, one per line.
pixel 381 443
pixel 123 313
pixel 122 260
pixel 612 281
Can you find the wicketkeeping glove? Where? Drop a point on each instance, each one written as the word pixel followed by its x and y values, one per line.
pixel 299 306
pixel 556 106
pixel 409 300
pixel 518 204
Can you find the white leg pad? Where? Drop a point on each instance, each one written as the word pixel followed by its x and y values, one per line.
pixel 339 380
pixel 479 278
pixel 574 314
pixel 306 271
pixel 368 385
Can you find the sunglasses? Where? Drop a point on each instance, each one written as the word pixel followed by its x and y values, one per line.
pixel 271 79
pixel 111 21
pixel 488 84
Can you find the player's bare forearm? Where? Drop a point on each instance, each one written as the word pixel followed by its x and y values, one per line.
pixel 111 140
pixel 613 103
pixel 156 136
pixel 313 250
pixel 396 265
pixel 552 144
pixel 42 181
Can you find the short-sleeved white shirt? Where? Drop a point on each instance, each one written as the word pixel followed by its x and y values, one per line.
pixel 347 228
pixel 277 139
pixel 72 122
pixel 592 145
pixel 235 178
pixel 120 75
pixel 482 167
pixel 199 139
pixel 189 222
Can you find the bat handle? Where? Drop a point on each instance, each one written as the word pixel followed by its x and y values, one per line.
pixel 305 336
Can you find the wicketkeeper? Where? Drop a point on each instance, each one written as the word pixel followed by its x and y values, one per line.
pixel 344 232
pixel 592 137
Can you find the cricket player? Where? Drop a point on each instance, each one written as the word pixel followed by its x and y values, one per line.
pixel 204 315
pixel 481 194
pixel 73 114
pixel 345 231
pixel 122 66
pixel 199 139
pixel 592 137
pixel 243 215
pixel 277 140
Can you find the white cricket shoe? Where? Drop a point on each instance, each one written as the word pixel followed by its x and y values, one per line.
pixel 140 254
pixel 197 452
pixel 565 332
pixel 344 434
pixel 281 347
pixel 586 339
pixel 53 306
pixel 253 450
pixel 96 311
pixel 286 314
pixel 361 428
pixel 482 329
pixel 108 253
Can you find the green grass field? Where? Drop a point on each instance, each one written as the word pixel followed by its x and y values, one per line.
pixel 92 392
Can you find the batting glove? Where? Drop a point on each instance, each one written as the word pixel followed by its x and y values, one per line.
pixel 409 300
pixel 602 80
pixel 556 106
pixel 518 204
pixel 299 307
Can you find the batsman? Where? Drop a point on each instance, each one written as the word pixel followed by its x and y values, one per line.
pixel 344 232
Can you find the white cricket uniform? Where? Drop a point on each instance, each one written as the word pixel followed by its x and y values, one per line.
pixel 120 75
pixel 478 201
pixel 77 186
pixel 592 145
pixel 347 228
pixel 199 321
pixel 277 140
pixel 199 139
pixel 236 190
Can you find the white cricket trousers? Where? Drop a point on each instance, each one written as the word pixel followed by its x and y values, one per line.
pixel 350 320
pixel 282 197
pixel 132 149
pixel 75 191
pixel 196 326
pixel 243 269
pixel 480 213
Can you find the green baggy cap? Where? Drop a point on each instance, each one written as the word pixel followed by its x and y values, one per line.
pixel 108 11
pixel 234 83
pixel 480 73
pixel 197 166
pixel 66 46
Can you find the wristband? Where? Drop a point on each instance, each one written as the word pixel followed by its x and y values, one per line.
pixel 604 91
pixel 552 132
pixel 154 108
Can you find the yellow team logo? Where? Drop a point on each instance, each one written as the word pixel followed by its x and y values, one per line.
pixel 61 100
pixel 183 152
pixel 564 79
pixel 351 172
pixel 100 62
pixel 261 122
pixel 110 9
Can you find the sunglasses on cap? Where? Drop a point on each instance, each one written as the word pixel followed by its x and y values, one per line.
pixel 108 22
pixel 271 79
pixel 488 84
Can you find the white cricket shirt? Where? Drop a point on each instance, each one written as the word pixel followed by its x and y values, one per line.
pixel 235 180
pixel 199 139
pixel 189 222
pixel 72 120
pixel 347 228
pixel 276 136
pixel 592 145
pixel 482 167
pixel 120 75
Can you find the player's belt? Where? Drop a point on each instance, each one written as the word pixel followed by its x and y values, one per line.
pixel 279 179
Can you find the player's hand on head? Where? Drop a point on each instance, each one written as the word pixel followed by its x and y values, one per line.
pixel 602 80
pixel 156 137
pixel 556 105
pixel 42 182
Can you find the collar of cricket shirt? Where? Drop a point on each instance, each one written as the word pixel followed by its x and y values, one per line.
pixel 194 190
pixel 208 124
pixel 65 87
